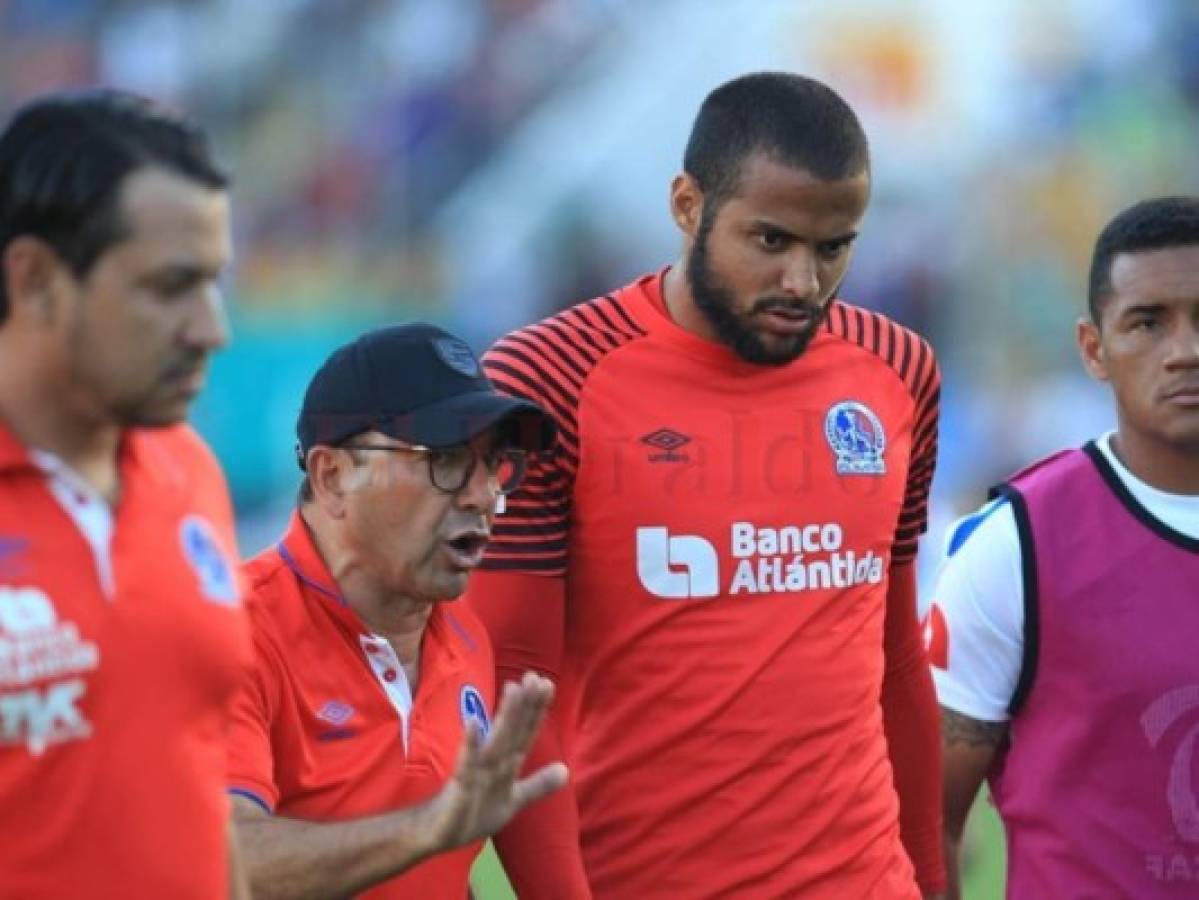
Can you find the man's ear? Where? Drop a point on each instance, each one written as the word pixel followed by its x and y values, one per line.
pixel 686 204
pixel 330 472
pixel 1090 348
pixel 34 277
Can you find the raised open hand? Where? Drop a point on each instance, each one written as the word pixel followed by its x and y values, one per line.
pixel 485 792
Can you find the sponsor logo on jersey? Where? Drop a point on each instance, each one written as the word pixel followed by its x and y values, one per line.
pixel 335 712
pixel 38 717
pixel 34 644
pixel 936 638
pixel 34 647
pixel 791 559
pixel 676 567
pixel 473 709
pixel 203 552
pixel 667 443
pixel 798 558
pixel 856 437
pixel 1166 715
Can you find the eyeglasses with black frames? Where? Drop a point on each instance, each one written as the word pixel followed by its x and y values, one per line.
pixel 451 468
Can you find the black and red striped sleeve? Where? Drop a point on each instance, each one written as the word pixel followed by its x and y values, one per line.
pixel 549 363
pixel 924 380
pixel 913 360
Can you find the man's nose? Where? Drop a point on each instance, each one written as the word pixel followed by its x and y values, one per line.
pixel 1183 350
pixel 207 326
pixel 801 278
pixel 481 490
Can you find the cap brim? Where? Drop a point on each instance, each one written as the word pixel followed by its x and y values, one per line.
pixel 459 419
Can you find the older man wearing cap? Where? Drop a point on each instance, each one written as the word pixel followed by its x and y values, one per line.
pixel 362 745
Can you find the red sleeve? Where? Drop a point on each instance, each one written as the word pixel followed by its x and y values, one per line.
pixel 250 768
pixel 524 614
pixel 912 724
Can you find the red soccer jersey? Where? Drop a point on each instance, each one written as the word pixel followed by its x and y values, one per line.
pixel 122 639
pixel 326 729
pixel 725 531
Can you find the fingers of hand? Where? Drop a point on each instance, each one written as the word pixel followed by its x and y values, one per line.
pixel 521 710
pixel 536 693
pixel 470 755
pixel 541 783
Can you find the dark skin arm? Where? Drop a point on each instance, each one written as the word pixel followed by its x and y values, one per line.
pixel 968 751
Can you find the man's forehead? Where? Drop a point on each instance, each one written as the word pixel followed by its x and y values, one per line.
pixel 767 183
pixel 493 435
pixel 1162 274
pixel 156 203
pixel 763 162
pixel 153 189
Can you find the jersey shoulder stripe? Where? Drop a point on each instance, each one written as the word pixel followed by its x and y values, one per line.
pixel 906 352
pixel 549 363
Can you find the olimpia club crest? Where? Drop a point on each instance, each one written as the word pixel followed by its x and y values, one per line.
pixel 856 437
pixel 214 573
pixel 473 709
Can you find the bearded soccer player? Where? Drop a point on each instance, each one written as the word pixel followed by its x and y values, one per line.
pixel 716 564
pixel 121 633
pixel 1063 628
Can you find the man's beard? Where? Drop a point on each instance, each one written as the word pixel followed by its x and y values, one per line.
pixel 717 304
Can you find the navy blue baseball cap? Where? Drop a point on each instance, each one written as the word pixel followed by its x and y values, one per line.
pixel 416 383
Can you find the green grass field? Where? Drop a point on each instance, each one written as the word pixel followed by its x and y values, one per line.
pixel 982 875
pixel 985 854
pixel 487 879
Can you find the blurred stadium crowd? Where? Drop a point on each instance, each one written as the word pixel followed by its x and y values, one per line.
pixel 347 122
pixel 482 162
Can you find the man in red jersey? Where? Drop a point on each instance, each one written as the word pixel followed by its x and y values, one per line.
pixel 716 563
pixel 368 685
pixel 121 632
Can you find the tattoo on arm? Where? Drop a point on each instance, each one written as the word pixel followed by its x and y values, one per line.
pixel 959 729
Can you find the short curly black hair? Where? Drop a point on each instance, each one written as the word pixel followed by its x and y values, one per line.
pixel 1149 225
pixel 796 120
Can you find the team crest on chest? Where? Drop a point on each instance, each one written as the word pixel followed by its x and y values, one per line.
pixel 856 437
pixel 214 573
pixel 472 707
